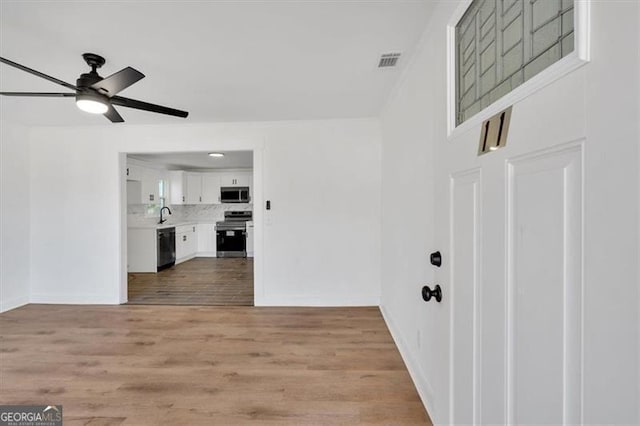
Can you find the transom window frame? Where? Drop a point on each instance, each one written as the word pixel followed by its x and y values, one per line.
pixel 574 60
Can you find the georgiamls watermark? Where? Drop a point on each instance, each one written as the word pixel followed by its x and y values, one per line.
pixel 30 415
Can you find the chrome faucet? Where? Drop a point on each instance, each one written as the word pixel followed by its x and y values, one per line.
pixel 161 219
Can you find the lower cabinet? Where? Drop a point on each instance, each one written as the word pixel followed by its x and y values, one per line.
pixel 191 241
pixel 206 239
pixel 186 242
pixel 249 239
pixel 142 250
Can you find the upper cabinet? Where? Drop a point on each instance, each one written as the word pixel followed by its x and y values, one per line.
pixel 143 184
pixel 150 186
pixel 194 188
pixel 204 188
pixel 133 172
pixel 235 178
pixel 178 187
pixel 211 188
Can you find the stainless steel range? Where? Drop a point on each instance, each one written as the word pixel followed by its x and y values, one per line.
pixel 231 234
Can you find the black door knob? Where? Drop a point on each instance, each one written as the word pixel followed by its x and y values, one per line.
pixel 436 258
pixel 436 293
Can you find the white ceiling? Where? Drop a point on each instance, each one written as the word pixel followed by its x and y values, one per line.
pixel 200 160
pixel 221 61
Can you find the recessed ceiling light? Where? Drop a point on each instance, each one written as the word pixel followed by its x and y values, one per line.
pixel 216 154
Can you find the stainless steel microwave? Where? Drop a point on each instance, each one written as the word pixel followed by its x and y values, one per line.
pixel 234 194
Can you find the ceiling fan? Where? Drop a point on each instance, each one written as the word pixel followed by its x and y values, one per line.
pixel 95 94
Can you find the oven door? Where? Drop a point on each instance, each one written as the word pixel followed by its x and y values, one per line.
pixel 231 243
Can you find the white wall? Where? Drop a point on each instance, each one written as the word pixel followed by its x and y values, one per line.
pixel 408 219
pixel 14 216
pixel 321 238
pixel 598 103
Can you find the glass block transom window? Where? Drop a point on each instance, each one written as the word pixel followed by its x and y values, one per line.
pixel 500 44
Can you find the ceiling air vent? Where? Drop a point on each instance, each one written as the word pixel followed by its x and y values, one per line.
pixel 388 60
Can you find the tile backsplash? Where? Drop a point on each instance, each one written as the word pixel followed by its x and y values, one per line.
pixel 137 213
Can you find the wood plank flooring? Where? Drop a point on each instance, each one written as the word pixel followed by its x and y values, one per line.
pixel 199 281
pixel 179 365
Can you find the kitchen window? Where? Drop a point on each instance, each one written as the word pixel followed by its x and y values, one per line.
pixel 161 193
pixel 153 209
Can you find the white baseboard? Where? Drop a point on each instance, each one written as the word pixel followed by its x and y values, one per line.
pixel 318 301
pixel 206 254
pixel 415 371
pixel 16 302
pixel 184 259
pixel 73 299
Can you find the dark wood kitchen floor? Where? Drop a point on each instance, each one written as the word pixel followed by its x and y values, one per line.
pixel 199 281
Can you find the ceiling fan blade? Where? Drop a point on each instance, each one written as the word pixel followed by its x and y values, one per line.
pixel 113 115
pixel 117 82
pixel 37 73
pixel 145 106
pixel 39 94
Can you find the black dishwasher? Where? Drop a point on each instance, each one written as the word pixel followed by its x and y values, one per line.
pixel 166 248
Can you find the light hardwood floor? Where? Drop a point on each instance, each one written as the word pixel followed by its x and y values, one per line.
pixel 184 365
pixel 199 281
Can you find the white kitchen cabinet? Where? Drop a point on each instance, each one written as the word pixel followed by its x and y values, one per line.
pixel 210 188
pixel 249 239
pixel 204 188
pixel 178 187
pixel 234 179
pixel 133 172
pixel 150 186
pixel 142 249
pixel 143 184
pixel 186 242
pixel 206 239
pixel 194 188
pixel 251 187
pixel 134 192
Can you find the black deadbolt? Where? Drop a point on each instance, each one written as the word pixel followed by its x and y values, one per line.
pixel 436 258
pixel 436 293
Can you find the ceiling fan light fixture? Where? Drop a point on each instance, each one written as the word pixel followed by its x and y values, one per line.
pixel 93 104
pixel 94 94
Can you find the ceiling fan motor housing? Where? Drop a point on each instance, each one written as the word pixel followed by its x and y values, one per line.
pixel 87 79
pixel 92 77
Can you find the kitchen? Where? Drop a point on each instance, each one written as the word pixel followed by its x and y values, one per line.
pixel 190 228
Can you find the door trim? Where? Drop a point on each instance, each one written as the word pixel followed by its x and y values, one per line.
pixel 256 145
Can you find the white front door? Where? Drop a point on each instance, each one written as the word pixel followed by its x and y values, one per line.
pixel 510 228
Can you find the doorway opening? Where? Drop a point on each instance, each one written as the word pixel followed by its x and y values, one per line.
pixel 190 228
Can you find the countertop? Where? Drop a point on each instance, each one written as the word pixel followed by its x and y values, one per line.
pixel 167 224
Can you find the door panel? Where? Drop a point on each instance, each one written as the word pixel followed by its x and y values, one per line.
pixel 544 287
pixel 465 280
